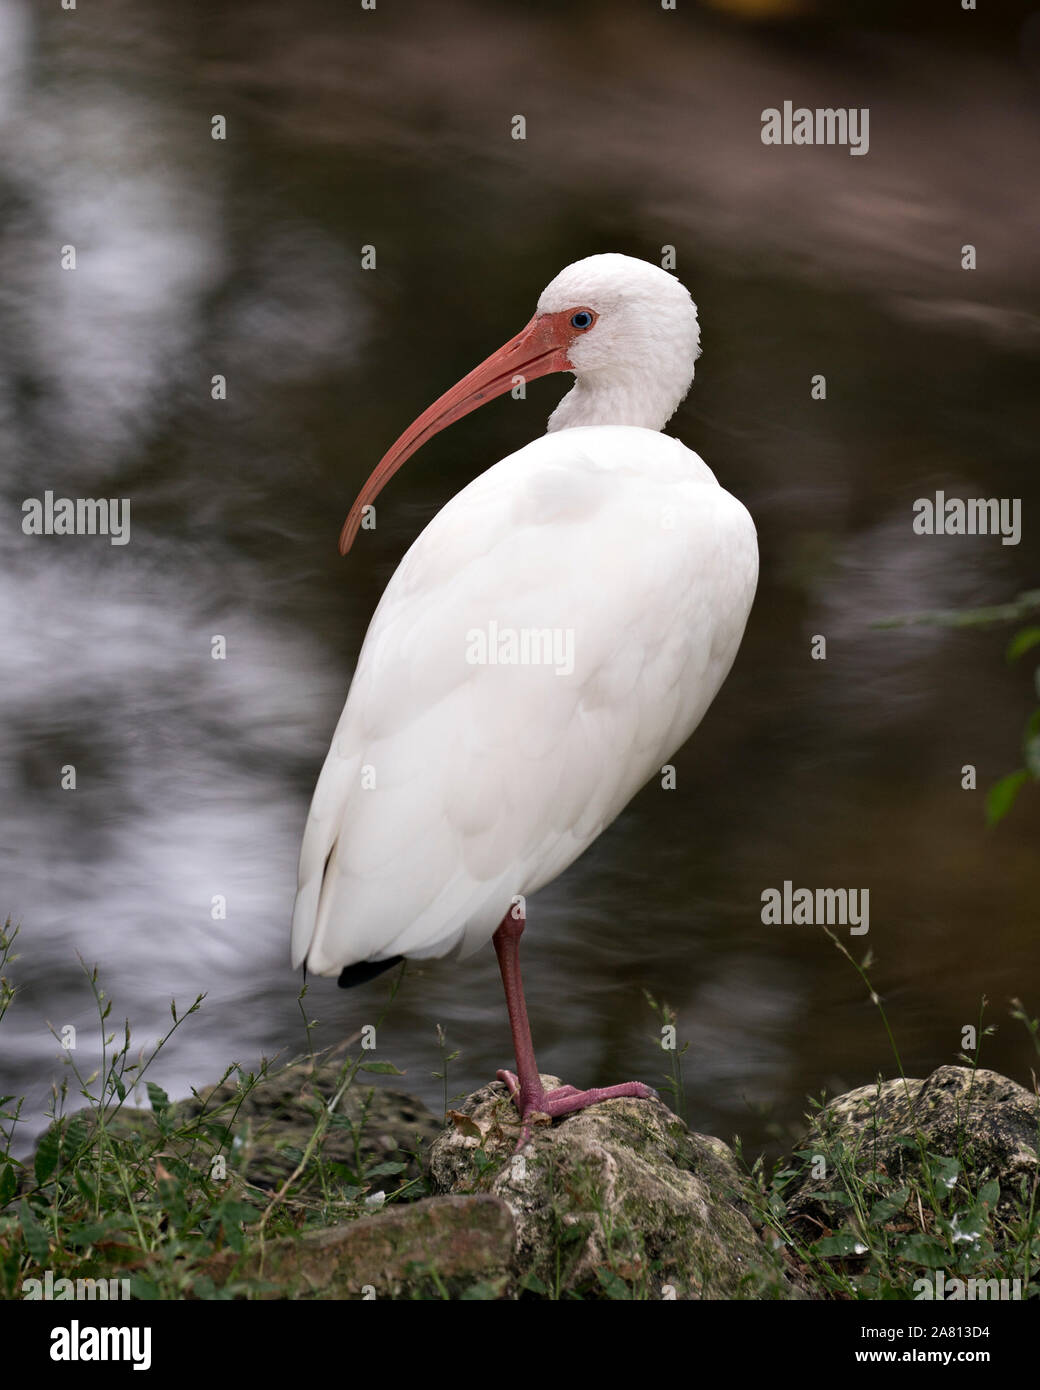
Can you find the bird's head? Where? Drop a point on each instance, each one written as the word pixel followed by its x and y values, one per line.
pixel 627 330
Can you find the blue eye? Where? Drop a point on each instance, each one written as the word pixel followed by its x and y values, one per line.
pixel 582 319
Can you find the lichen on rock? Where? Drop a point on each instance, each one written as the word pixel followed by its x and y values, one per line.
pixel 985 1121
pixel 620 1200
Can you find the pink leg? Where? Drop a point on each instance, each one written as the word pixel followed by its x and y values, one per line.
pixel 526 1087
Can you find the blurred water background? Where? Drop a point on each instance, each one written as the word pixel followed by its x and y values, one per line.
pixel 243 257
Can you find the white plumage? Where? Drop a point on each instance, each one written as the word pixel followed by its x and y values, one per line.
pixel 452 786
pixel 489 780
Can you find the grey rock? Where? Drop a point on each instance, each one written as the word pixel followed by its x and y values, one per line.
pixel 618 1201
pixel 455 1247
pixel 276 1119
pixel 987 1122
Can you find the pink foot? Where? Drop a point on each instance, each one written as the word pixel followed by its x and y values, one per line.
pixel 566 1100
pixel 513 1082
pixel 526 1090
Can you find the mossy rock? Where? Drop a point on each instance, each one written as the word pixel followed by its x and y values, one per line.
pixel 274 1122
pixel 987 1123
pixel 262 1133
pixel 618 1201
pixel 440 1247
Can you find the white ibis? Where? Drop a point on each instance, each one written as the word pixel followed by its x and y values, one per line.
pixel 556 632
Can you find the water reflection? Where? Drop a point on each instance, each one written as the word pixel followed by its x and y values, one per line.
pixel 198 259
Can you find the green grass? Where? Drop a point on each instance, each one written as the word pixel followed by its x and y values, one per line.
pixel 173 1196
pixel 156 1196
pixel 872 1234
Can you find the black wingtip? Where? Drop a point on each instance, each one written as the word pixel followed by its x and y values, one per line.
pixel 365 970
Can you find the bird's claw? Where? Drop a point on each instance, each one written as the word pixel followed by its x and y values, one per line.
pixel 567 1100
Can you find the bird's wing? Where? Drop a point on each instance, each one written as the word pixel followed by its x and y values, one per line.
pixel 472 762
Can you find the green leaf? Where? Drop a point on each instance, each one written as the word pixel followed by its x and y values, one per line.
pixel 47 1154
pixel 381 1068
pixel 482 1292
pixel 86 1187
pixel 990 1193
pixel 888 1207
pixel 238 1211
pixel 77 1134
pixel 1031 754
pixel 842 1245
pixel 345 1171
pixel 923 1250
pixel 8 1184
pixel 385 1170
pixel 234 1236
pixel 777 1205
pixel 945 1170
pixel 36 1240
pixel 158 1097
pixel 971 1224
pixel 616 1288
pixel 1022 642
pixel 1001 796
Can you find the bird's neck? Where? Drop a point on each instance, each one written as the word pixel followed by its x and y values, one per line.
pixel 633 399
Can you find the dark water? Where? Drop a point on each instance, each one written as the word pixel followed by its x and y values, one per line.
pixel 197 257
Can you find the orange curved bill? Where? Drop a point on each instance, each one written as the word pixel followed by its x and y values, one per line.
pixel 537 350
